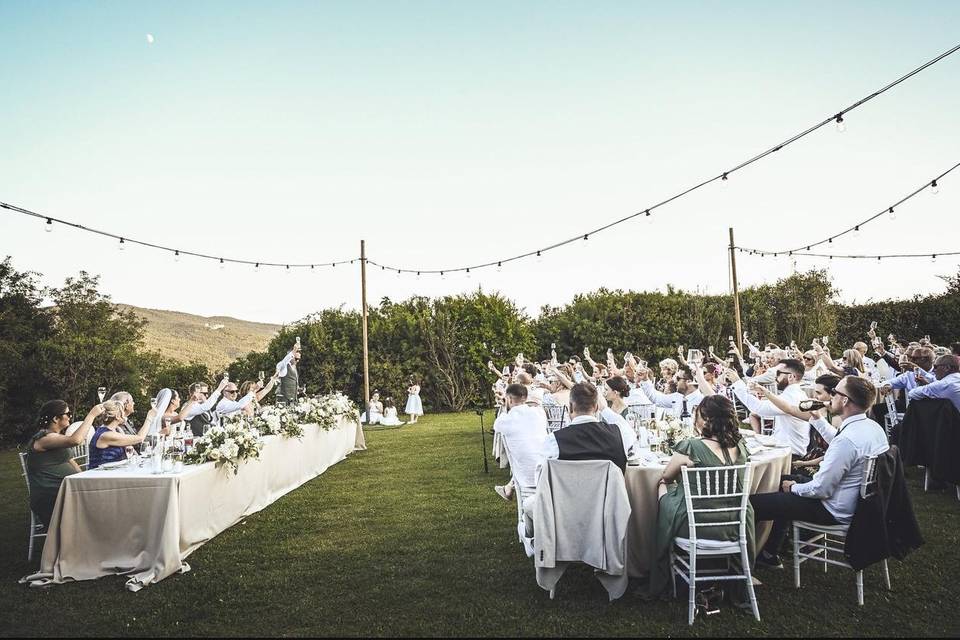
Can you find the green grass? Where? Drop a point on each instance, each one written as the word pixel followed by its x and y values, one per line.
pixel 408 538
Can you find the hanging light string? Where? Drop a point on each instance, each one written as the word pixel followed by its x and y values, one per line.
pixel 836 118
pixel 932 256
pixel 890 210
pixel 124 240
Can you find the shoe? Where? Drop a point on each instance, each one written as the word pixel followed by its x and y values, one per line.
pixel 503 492
pixel 770 561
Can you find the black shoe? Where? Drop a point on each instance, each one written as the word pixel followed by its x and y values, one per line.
pixel 770 561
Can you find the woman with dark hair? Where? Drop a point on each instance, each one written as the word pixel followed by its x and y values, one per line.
pixel 49 457
pixel 718 444
pixel 615 393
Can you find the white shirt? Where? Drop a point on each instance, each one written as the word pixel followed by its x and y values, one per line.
pixel 787 430
pixel 837 483
pixel 672 401
pixel 229 407
pixel 283 364
pixel 637 396
pixel 523 429
pixel 627 433
pixel 201 407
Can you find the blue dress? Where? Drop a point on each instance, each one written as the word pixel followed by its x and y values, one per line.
pixel 104 456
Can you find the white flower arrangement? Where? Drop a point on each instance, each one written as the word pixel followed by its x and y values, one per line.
pixel 325 411
pixel 671 430
pixel 229 444
pixel 278 420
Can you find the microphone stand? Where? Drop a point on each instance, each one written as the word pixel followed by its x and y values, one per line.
pixel 483 441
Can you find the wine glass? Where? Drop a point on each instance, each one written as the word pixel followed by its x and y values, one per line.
pixel 101 393
pixel 694 357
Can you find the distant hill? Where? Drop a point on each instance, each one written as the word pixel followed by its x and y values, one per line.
pixel 215 341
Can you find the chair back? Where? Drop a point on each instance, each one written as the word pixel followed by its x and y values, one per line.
pixel 716 497
pixel 772 388
pixel 556 416
pixel 868 485
pixel 641 411
pixel 81 455
pixel 891 406
pixel 23 467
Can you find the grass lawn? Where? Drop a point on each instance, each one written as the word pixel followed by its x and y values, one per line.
pixel 408 538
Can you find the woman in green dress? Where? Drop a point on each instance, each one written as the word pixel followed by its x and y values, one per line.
pixel 49 456
pixel 718 444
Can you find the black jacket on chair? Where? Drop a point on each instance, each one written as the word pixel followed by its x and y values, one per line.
pixel 884 524
pixel 592 441
pixel 930 436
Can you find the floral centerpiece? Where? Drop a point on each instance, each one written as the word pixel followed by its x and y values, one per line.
pixel 278 420
pixel 229 444
pixel 325 411
pixel 671 431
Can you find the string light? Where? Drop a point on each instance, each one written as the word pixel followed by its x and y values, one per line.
pixel 499 267
pixel 176 256
pixel 934 188
pixel 49 227
pixel 856 231
pixel 221 264
pixel 841 125
pixel 892 214
pixel 120 246
pixel 933 258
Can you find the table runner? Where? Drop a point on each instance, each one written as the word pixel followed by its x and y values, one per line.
pixel 131 522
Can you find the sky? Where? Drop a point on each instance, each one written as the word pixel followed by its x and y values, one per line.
pixel 447 134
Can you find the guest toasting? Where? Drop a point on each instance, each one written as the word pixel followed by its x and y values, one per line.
pixel 288 371
pixel 109 441
pixel 48 454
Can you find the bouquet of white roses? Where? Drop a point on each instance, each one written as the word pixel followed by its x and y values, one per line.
pixel 326 411
pixel 230 443
pixel 278 420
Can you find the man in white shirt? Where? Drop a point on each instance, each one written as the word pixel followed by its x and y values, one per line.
pixel 523 429
pixel 787 430
pixel 673 400
pixel 947 370
pixel 230 405
pixel 831 497
pixel 197 411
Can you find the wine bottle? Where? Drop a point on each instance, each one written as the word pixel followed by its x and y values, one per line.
pixel 811 405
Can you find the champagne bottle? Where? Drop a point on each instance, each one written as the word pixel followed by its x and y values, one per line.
pixel 811 405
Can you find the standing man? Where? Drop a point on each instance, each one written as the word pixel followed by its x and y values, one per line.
pixel 289 376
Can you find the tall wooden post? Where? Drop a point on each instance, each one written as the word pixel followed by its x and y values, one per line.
pixel 366 355
pixel 736 292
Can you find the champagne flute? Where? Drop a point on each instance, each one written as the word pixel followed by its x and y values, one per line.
pixel 262 377
pixel 101 393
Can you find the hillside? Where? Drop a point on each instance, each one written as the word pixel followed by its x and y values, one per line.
pixel 214 341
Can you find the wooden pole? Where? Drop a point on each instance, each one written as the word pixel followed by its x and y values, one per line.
pixel 366 355
pixel 736 292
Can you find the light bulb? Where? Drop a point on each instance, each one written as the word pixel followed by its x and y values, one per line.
pixel 933 258
pixel 257 267
pixel 499 267
pixel 841 125
pixel 892 214
pixel 586 236
pixel 723 180
pixel 443 276
pixel 856 231
pixel 418 275
pixel 176 256
pixel 539 258
pixel 49 225
pixel 468 274
pixel 934 188
pixel 121 245
pixel 648 217
pixel 221 264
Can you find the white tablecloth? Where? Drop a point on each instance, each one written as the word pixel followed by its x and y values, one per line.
pixel 768 465
pixel 131 522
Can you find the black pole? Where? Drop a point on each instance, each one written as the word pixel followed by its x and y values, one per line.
pixel 483 442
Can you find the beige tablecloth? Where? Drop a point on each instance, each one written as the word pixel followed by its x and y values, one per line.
pixel 768 466
pixel 130 522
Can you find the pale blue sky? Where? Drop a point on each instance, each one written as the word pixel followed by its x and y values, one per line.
pixel 452 132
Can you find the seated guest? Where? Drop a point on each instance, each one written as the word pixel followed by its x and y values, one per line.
pixel 615 392
pixel 523 429
pixel 811 366
pixel 229 405
pixel 668 369
pixel 831 496
pixel 917 367
pixel 675 393
pixel 869 364
pixel 198 411
pixel 586 438
pixel 947 385
pixel 126 400
pixel 375 409
pixel 49 458
pixel 110 441
pixel 718 444
pixel 787 430
pixel 260 392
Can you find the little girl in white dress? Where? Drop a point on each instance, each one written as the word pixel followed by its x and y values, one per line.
pixel 375 414
pixel 390 414
pixel 414 407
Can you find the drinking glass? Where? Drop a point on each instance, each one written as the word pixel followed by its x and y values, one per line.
pixel 101 393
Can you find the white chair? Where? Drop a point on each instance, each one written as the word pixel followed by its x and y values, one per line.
pixel 820 546
pixel 81 455
pixel 710 486
pixel 37 530
pixel 520 493
pixel 556 416
pixel 892 418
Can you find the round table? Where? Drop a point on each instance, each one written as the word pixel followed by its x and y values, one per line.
pixel 768 465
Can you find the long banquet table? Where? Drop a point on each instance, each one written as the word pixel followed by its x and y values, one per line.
pixel 131 522
pixel 768 465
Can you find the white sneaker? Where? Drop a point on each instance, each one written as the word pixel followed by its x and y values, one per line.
pixel 503 492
